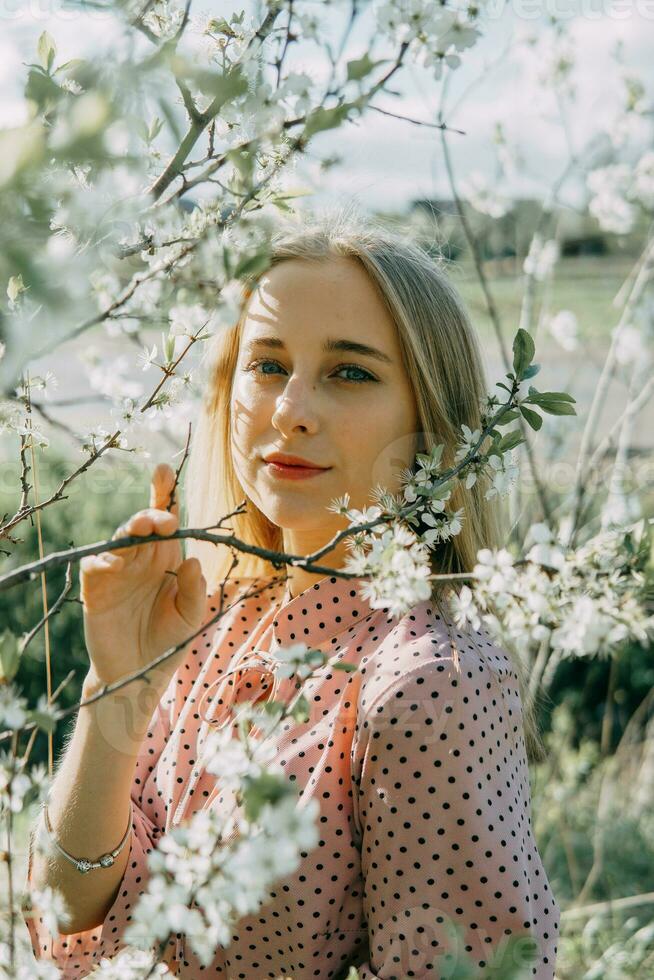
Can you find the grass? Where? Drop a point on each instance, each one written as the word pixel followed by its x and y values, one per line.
pixel 587 286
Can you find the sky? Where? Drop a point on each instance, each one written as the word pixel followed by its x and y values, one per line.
pixel 388 163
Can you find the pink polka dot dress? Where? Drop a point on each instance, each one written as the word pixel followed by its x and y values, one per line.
pixel 417 760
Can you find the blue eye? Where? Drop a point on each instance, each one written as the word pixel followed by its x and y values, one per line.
pixel 342 367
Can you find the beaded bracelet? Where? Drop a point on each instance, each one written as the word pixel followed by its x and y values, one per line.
pixel 84 865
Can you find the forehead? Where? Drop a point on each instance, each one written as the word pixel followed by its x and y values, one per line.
pixel 321 296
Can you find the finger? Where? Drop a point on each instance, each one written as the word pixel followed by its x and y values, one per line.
pixel 161 484
pixel 137 525
pixel 111 560
pixel 95 564
pixel 191 598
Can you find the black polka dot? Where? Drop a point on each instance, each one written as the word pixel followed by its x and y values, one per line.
pixel 417 761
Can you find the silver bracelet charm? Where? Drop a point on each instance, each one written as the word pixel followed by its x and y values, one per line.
pixel 85 865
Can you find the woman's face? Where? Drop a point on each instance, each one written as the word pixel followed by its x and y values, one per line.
pixel 349 410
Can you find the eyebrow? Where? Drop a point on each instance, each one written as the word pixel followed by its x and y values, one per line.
pixel 330 345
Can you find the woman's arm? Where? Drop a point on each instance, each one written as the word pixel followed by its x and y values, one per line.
pixel 442 801
pixel 89 801
pixel 115 745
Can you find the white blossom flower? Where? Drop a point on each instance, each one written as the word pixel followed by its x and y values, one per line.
pixel 130 963
pixel 643 180
pixel 13 707
pixel 310 25
pixel 544 549
pixel 564 327
pixel 469 439
pixel 443 528
pixel 484 198
pixel 339 505
pixel 620 510
pixel 52 906
pixel 185 321
pixel 588 607
pixel 610 186
pixel 464 608
pixel 541 258
pixel 71 85
pixel 613 213
pixel 215 868
pixel 146 357
pixel 364 516
pixel 15 786
pixel 630 347
pixel 399 568
pixel 495 568
pixel 505 475
pixel 164 18
pixel 582 628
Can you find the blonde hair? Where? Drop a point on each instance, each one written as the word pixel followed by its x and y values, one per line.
pixel 441 356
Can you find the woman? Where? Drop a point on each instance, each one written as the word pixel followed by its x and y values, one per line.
pixel 352 352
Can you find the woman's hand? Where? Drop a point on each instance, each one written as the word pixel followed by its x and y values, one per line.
pixel 135 608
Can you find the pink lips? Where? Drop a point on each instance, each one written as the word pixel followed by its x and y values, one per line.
pixel 287 472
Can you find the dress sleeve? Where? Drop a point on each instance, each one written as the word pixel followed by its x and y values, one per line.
pixel 76 954
pixel 442 809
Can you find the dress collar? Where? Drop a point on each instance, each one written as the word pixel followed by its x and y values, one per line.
pixel 323 610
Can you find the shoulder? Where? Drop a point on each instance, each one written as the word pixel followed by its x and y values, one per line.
pixel 427 666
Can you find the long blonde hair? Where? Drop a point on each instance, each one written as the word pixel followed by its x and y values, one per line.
pixel 441 355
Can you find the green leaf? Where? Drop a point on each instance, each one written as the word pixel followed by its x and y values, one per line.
pixel 218 25
pixel 222 86
pixel 345 665
pixel 243 161
pixel 252 265
pixel 168 347
pixel 539 397
pixel 361 67
pixel 42 720
pixel 533 418
pixel 321 119
pixel 227 261
pixel 155 128
pixel 46 50
pixel 266 788
pixel 9 656
pixel 532 370
pixel 281 204
pixel 300 710
pixel 523 352
pixel 42 89
pixel 141 129
pixel 510 416
pixel 68 65
pixel 15 287
pixel 558 408
pixel 510 441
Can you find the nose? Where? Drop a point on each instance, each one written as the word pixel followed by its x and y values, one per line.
pixel 294 410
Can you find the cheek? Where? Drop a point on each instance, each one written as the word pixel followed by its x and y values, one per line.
pixel 246 391
pixel 251 409
pixel 381 451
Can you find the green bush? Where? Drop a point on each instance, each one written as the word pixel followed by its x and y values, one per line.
pixel 96 503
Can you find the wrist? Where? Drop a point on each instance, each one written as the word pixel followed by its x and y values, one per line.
pixel 138 697
pixel 121 717
pixel 93 684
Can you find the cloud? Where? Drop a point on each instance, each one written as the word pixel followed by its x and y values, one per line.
pixel 389 162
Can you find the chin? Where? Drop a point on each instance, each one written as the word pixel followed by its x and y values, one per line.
pixel 295 518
